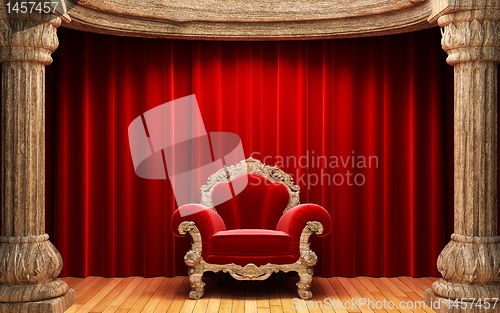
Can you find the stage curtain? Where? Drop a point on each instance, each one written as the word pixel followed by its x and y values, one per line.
pixel 380 97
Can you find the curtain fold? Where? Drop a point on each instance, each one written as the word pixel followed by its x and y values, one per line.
pixel 294 103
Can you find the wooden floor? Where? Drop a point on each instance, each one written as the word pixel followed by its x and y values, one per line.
pixel 160 294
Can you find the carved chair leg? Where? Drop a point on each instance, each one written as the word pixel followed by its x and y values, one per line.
pixel 197 284
pixel 304 284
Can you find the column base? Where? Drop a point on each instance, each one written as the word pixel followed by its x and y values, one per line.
pixel 56 305
pixel 445 305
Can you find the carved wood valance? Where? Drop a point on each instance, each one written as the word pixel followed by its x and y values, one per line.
pixel 249 20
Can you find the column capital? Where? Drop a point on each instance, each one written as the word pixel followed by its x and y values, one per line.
pixel 471 35
pixel 470 30
pixel 27 36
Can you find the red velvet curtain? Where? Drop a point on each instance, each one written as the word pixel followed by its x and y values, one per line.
pixel 380 97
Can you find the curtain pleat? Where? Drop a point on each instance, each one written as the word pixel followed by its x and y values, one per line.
pixel 291 102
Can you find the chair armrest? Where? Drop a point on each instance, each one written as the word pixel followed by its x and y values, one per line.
pixel 206 220
pixel 297 218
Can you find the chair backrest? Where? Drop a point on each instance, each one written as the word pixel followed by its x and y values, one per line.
pixel 250 194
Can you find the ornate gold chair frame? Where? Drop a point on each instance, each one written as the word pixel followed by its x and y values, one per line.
pixel 303 266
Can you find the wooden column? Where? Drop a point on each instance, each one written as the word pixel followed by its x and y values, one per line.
pixel 29 263
pixel 470 263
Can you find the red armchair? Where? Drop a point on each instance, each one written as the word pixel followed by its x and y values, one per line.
pixel 260 230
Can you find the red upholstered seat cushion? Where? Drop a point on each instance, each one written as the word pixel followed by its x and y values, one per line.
pixel 251 242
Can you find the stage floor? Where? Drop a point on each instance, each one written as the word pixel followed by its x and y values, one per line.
pixel 163 294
